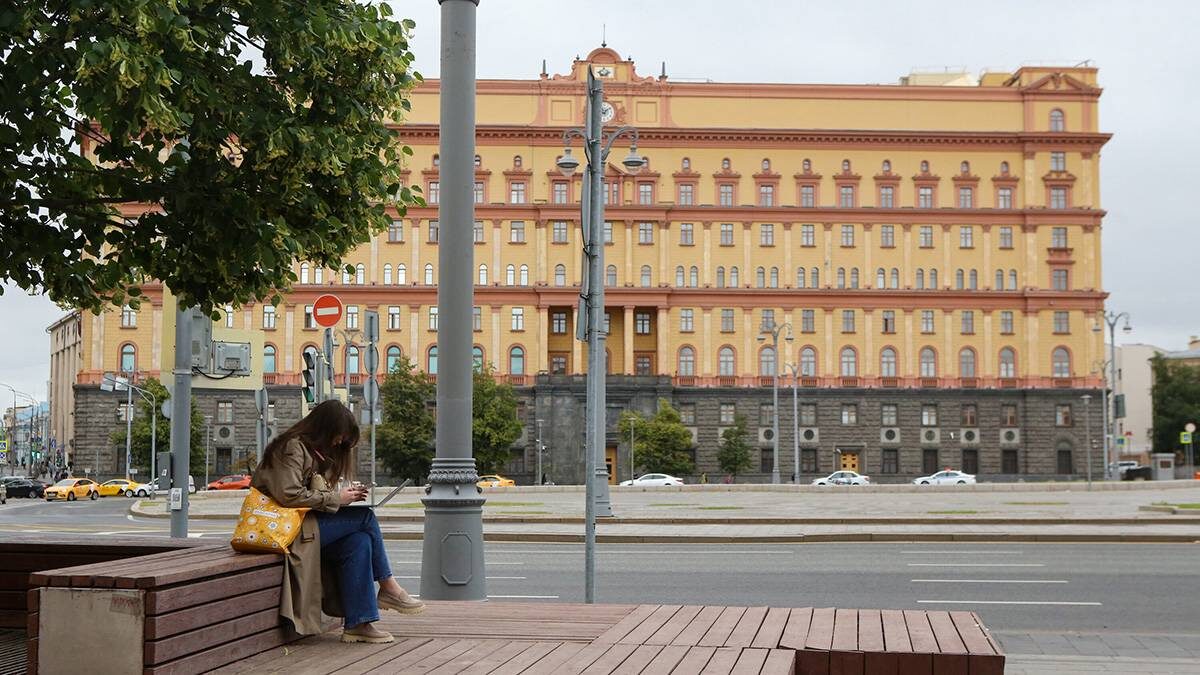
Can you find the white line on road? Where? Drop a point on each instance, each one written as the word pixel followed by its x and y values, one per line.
pixel 1008 602
pixel 963 552
pixel 397 576
pixel 418 562
pixel 989 581
pixel 976 565
pixel 510 597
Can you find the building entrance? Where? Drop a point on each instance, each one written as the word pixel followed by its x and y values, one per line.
pixel 610 464
pixel 849 460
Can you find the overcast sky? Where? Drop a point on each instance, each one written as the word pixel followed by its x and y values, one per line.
pixel 1146 53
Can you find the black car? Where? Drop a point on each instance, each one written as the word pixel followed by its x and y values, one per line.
pixel 25 487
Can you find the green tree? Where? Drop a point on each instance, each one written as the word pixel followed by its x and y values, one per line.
pixel 1175 396
pixel 404 440
pixel 661 443
pixel 494 423
pixel 140 439
pixel 264 132
pixel 734 455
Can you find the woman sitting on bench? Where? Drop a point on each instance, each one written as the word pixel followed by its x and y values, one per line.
pixel 339 556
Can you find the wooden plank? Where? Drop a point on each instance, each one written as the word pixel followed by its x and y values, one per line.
pixel 174 623
pixel 552 662
pixel 795 633
pixel 228 564
pixel 434 660
pixel 820 630
pixel 747 627
pixel 749 662
pixel 695 659
pixel 813 661
pixel 981 656
pixel 31 656
pixel 161 601
pixel 638 660
pixel 780 662
pixel 502 655
pixel 12 599
pixel 610 659
pixel 105 574
pixel 722 662
pixel 160 651
pixel 666 660
pixel 627 624
pixel 722 627
pixel 408 657
pixel 845 630
pixel 651 624
pixel 479 650
pixel 325 654
pixel 870 630
pixel 100 564
pixel 583 659
pixel 920 635
pixel 12 618
pixel 846 663
pixel 215 657
pixel 895 631
pixel 14 581
pixel 697 627
pixel 946 633
pixel 772 627
pixel 672 628
pixel 526 658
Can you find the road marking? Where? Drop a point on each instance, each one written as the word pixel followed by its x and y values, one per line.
pixel 1008 602
pixel 976 565
pixel 397 576
pixel 989 581
pixel 963 552
pixel 525 597
pixel 418 562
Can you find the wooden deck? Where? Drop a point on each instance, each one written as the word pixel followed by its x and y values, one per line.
pixel 507 638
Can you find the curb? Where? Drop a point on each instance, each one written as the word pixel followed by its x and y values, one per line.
pixel 863 537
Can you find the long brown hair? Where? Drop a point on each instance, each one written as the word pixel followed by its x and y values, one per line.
pixel 317 431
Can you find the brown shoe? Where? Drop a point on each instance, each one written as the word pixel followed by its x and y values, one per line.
pixel 368 633
pixel 401 602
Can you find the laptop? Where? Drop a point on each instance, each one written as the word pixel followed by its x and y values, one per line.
pixel 395 491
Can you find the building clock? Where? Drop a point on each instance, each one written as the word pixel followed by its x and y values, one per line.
pixel 607 112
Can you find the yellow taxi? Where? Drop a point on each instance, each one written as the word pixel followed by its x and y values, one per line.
pixel 71 489
pixel 115 487
pixel 494 481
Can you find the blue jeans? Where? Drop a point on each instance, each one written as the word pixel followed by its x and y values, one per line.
pixel 352 543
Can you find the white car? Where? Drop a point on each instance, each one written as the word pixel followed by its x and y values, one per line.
pixel 843 478
pixel 947 477
pixel 654 480
pixel 1119 468
pixel 153 485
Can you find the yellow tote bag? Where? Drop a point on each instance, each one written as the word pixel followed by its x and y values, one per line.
pixel 264 526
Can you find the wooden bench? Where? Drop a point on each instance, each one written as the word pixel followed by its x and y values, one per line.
pixel 183 611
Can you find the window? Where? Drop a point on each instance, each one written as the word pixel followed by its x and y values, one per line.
pixel 1057 123
pixel 608 232
pixel 304 273
pixel 308 317
pixel 849 362
pixel 928 362
pixel 396 231
pixel 433 231
pixel 401 274
pixel 516 192
pixel 889 321
pixel 966 363
pixel 808 322
pixel 880 278
pixel 1058 161
pixel 1059 280
pixel 477 232
pixel 970 461
pixel 612 192
pixel 431 361
pixel 560 275
pixel 920 284
pixel 1004 201
pixel 518 318
pixel 887 362
pixel 1062 415
pixel 687 362
pixel 516 361
pixel 646 276
pixel 224 412
pixel 808 196
pixel 927 321
pixel 766 234
pixel 559 192
pixel 516 232
pixel 318 275
pixel 887 197
pixel 477 358
pixel 766 413
pixel 1006 322
pixel 1006 237
pixel 887 236
pixel 766 195
pixel 351 317
pixel 727 234
pixel 558 364
pixel 841 277
pixel 680 276
pixel 808 235
pixel 686 236
pixel 800 278
pixel 1058 197
pixel 728 413
pixel 352 359
pixel 929 415
pixel 645 233
pixel 1008 462
pixel 726 320
pixel 387 274
pixel 477 319
pixel 693 276
pixel 929 460
pixel 847 321
pixel 966 237
pixel 524 275
pixel 392 359
pixel 483 275
pixel 558 323
pixel 767 361
pixel 434 193
pixel 559 232
pixel 1065 463
pixel 889 415
pixel 725 364
pixel 760 278
pixel 889 461
pixel 733 277
pixel 999 285
pixel 1012 280
pixel 428 274
pixel 849 414
pixel 725 194
pixel 925 236
pixel 846 196
pixel 229 316
pixel 477 192
pixel 393 313
pixel 686 320
pixel 815 278
pixel 725 164
pixel 433 318
pixel 1008 415
pixel 641 323
pixel 966 198
pixel 1062 322
pixel 925 198
pixel 766 165
pixel 960 279
pixel 645 193
pixel 510 275
pixel 1008 363
pixel 687 194
pixel 808 414
pixel 847 235
pixel 610 276
pixel 1060 362
pixel 128 358
pixel 1058 237
pixel 895 279
pixel 968 322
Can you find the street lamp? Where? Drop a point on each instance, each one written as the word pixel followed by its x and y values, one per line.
pixel 13 432
pixel 1111 319
pixel 207 443
pixel 774 331
pixel 539 452
pixel 591 325
pixel 795 368
pixel 1087 425
pixel 107 383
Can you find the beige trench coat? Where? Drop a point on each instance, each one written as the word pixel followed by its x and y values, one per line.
pixel 307 589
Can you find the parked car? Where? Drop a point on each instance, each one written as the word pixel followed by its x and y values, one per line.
pixel 23 487
pixel 493 480
pixel 71 489
pixel 154 488
pixel 1119 468
pixel 114 488
pixel 654 480
pixel 947 477
pixel 843 478
pixel 135 489
pixel 234 482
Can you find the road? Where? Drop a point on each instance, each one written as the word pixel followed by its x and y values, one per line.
pixel 1038 598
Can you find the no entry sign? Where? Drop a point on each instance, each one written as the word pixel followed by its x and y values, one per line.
pixel 327 311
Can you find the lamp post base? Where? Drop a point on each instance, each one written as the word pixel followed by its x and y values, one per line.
pixel 452 548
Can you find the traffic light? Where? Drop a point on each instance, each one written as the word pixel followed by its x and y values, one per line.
pixel 310 377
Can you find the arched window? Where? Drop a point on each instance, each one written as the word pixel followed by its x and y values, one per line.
pixel 924 167
pixel 806 165
pixel 360 274
pixel 773 280
pixel 693 276
pixel 478 161
pixel 128 358
pixel 808 362
pixel 999 280
pixel 560 275
pixel 516 161
pixel 524 275
pixel 766 165
pixel 1060 362
pixel 1004 168
pixel 387 274
pixel 964 168
pixel 887 362
pixel 845 166
pixel 437 159
pixel 801 282
pixel 516 361
pixel 646 276
pixel 720 277
pixel 887 166
pixel 760 277
pixel 428 274
pixel 1058 121
pixel 959 279
pixel 510 275
pixel 392 361
pixel 686 164
pixel 268 359
pixel 733 277
pixel 920 279
pixel 1012 280
pixel 679 274
pixel 880 278
pixel 725 164
pixel 304 273
pixel 816 278
pixel 853 277
pixel 973 280
pixel 1008 362
pixel 687 361
pixel 431 361
pixel 928 362
pixel 401 274
pixel 966 362
pixel 933 282
pixel 352 359
pixel 483 280
pixel 895 278
pixel 477 358
pixel 766 361
pixel 841 277
pixel 725 363
pixel 346 278
pixel 849 362
pixel 610 276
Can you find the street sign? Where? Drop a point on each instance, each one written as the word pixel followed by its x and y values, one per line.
pixel 166 409
pixel 1190 428
pixel 1185 437
pixel 327 310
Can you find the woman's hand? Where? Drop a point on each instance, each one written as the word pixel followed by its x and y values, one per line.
pixel 351 494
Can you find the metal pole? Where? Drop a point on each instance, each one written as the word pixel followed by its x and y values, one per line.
pixel 775 415
pixel 128 420
pixel 597 354
pixel 153 437
pixel 795 429
pixel 181 423
pixel 538 479
pixel 632 469
pixel 1087 412
pixel 452 551
pixel 328 360
pixel 1110 421
pixel 207 443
